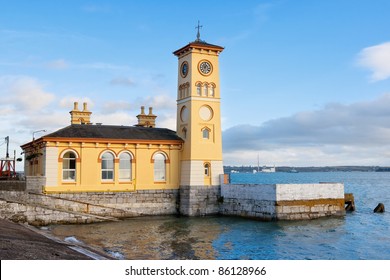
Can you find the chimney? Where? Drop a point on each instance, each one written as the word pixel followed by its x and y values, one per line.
pixel 80 117
pixel 85 107
pixel 146 120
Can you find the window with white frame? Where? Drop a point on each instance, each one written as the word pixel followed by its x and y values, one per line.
pixel 125 167
pixel 159 167
pixel 69 167
pixel 107 167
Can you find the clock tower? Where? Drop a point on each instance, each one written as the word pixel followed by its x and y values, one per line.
pixel 199 114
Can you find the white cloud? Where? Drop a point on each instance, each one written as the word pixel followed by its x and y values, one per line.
pixel 23 93
pixel 122 81
pixel 58 64
pixel 356 133
pixel 377 60
pixel 116 106
pixel 102 66
pixel 115 118
pixel 68 102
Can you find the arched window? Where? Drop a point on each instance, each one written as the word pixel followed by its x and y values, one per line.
pixel 125 167
pixel 206 133
pixel 205 90
pixel 212 90
pixel 180 91
pixel 108 167
pixel 199 89
pixel 159 167
pixel 184 130
pixel 187 90
pixel 69 167
pixel 207 169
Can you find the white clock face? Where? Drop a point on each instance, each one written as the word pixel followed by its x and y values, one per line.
pixel 205 113
pixel 205 67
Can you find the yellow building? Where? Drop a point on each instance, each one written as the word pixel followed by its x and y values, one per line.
pixel 86 157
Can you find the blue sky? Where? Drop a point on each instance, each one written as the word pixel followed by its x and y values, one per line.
pixel 303 83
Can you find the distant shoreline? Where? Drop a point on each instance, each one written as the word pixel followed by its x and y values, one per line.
pixel 249 169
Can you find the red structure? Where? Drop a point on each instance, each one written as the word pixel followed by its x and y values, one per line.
pixel 7 164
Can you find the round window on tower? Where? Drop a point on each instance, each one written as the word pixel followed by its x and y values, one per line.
pixel 205 113
pixel 184 69
pixel 184 114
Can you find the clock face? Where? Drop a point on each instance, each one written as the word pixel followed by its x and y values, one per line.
pixel 184 69
pixel 205 67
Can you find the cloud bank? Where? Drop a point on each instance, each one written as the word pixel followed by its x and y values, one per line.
pixel 337 134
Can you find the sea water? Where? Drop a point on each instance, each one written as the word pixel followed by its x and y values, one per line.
pixel 362 234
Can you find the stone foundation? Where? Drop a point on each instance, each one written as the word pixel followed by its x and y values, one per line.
pixel 199 200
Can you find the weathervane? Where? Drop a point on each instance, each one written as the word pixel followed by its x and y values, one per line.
pixel 198 34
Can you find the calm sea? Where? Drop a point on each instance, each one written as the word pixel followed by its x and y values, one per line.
pixel 359 235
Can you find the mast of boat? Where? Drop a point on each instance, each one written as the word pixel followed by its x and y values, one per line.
pixel 258 164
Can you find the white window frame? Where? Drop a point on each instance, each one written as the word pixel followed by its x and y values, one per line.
pixel 127 169
pixel 66 166
pixel 107 168
pixel 159 167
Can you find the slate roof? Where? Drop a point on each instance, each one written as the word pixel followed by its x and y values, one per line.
pixel 114 132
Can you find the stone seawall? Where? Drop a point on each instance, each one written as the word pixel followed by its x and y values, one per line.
pixel 264 202
pixel 283 201
pixel 85 207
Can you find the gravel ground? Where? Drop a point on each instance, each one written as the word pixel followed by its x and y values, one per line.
pixel 19 242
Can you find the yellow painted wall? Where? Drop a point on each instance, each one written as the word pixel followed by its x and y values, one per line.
pixel 88 167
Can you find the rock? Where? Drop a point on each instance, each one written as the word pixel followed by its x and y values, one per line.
pixel 380 208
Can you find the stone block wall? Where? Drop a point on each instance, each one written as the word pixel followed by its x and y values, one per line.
pixel 35 183
pixel 283 201
pixel 9 185
pixel 309 201
pixel 124 204
pixel 41 216
pixel 199 200
pixel 109 204
pixel 254 201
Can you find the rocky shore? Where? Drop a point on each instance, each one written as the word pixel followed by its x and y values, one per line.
pixel 20 242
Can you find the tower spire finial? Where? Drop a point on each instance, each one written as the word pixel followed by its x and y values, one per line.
pixel 198 34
